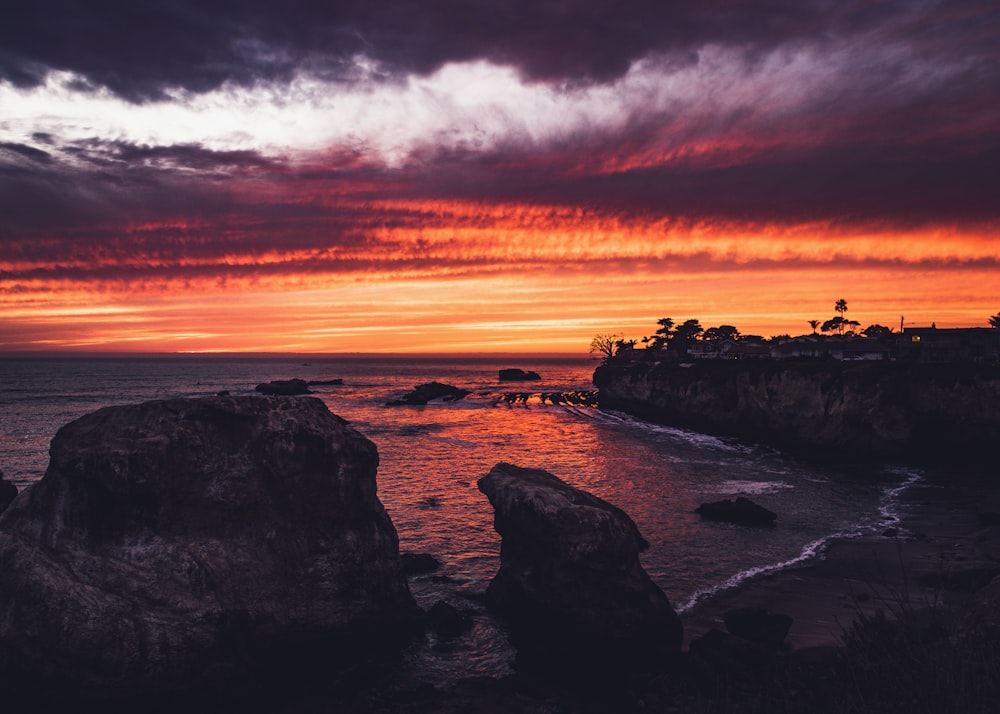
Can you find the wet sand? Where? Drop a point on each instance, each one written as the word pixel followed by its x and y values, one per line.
pixel 940 532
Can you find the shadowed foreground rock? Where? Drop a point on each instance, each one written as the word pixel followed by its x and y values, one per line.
pixel 196 542
pixel 570 583
pixel 8 492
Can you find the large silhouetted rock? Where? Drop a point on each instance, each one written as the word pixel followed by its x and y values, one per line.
pixel 180 543
pixel 570 583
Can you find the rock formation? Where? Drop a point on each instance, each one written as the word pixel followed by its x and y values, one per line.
pixel 570 583
pixel 742 511
pixel 176 544
pixel 518 375
pixel 424 393
pixel 284 387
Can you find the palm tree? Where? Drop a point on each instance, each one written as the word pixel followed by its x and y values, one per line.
pixel 841 307
pixel 814 324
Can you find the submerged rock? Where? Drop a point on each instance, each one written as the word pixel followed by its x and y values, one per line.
pixel 419 563
pixel 742 512
pixel 518 375
pixel 8 492
pixel 284 387
pixel 447 621
pixel 570 583
pixel 424 393
pixel 176 544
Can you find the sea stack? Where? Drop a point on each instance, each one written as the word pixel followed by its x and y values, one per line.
pixel 174 545
pixel 570 583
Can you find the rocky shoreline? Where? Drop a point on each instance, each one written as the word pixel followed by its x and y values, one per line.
pixel 231 552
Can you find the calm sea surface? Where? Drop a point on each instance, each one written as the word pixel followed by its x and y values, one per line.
pixel 431 457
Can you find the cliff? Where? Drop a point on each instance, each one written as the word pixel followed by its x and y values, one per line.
pixel 899 411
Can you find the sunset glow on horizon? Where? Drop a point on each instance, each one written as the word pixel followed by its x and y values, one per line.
pixel 362 181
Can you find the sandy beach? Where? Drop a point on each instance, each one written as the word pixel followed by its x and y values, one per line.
pixel 940 550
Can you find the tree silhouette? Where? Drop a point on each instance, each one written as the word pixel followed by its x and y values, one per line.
pixel 834 324
pixel 663 334
pixel 722 332
pixel 814 324
pixel 841 307
pixel 606 345
pixel 876 331
pixel 995 321
pixel 685 334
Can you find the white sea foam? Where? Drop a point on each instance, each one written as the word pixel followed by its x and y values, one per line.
pixel 752 488
pixel 889 507
pixel 890 515
pixel 811 550
pixel 692 437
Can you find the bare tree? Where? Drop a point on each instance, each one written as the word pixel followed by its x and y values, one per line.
pixel 606 345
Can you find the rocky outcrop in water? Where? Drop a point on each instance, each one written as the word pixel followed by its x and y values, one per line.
pixel 430 391
pixel 178 544
pixel 742 512
pixel 828 409
pixel 570 583
pixel 8 492
pixel 518 375
pixel 284 387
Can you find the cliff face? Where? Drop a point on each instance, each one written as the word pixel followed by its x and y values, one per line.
pixel 914 412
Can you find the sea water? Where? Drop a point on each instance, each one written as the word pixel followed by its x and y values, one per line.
pixel 431 457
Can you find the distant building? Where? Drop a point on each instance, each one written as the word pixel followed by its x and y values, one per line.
pixel 846 347
pixel 727 349
pixel 963 344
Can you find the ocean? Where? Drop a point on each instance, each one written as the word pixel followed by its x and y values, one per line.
pixel 431 457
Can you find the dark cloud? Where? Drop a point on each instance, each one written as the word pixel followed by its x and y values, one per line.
pixel 28 152
pixel 141 49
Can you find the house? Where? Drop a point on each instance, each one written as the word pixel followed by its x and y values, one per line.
pixel 839 347
pixel 963 344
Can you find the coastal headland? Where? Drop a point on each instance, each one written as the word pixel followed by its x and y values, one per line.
pixel 828 409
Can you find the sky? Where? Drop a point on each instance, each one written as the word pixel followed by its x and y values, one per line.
pixel 476 175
